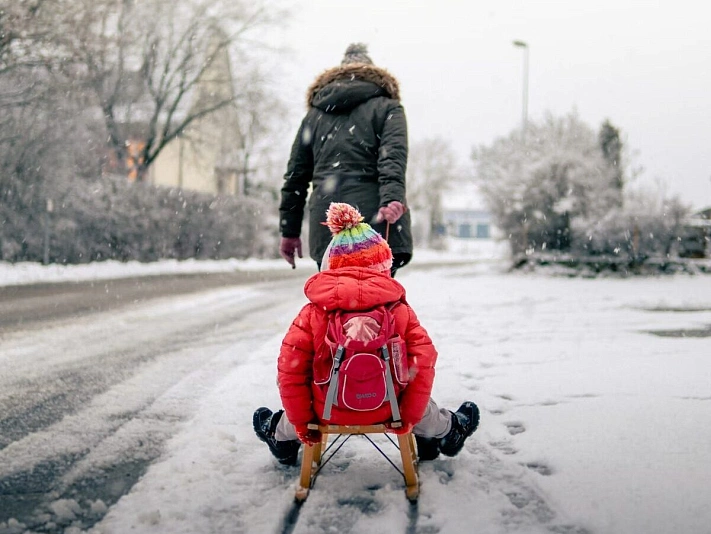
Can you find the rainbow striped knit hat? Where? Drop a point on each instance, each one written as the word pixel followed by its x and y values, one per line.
pixel 354 243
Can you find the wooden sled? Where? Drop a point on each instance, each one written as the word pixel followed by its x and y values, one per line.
pixel 313 459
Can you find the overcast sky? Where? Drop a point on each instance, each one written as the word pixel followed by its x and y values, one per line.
pixel 644 65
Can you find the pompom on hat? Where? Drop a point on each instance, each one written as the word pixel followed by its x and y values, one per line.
pixel 356 53
pixel 354 242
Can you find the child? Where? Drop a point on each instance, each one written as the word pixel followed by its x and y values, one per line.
pixel 356 276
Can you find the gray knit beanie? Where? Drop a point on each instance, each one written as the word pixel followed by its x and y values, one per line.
pixel 356 53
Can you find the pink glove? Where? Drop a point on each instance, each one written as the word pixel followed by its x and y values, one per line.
pixel 404 429
pixel 307 435
pixel 391 213
pixel 288 248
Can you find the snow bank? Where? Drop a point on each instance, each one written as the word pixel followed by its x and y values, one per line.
pixel 33 273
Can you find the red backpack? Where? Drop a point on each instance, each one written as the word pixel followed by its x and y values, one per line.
pixel 367 360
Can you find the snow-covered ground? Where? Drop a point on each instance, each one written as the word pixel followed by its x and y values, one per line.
pixel 590 423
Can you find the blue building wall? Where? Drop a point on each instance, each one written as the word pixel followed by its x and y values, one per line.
pixel 467 224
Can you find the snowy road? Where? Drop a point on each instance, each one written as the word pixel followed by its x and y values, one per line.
pixel 594 393
pixel 87 402
pixel 23 305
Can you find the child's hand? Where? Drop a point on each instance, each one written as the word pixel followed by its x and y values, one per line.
pixel 404 429
pixel 307 435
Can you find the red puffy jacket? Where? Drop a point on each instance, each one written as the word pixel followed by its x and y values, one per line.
pixel 351 288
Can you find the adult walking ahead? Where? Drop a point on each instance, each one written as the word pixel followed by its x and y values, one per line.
pixel 351 147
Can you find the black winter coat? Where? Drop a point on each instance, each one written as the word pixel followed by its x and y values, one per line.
pixel 351 147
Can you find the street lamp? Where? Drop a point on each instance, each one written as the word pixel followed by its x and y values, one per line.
pixel 524 119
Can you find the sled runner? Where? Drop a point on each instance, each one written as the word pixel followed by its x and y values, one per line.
pixel 315 457
pixel 365 368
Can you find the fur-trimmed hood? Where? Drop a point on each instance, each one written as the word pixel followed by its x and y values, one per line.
pixel 355 74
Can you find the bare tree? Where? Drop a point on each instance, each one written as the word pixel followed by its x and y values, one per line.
pixel 256 117
pixel 151 66
pixel 34 108
pixel 432 170
pixel 17 25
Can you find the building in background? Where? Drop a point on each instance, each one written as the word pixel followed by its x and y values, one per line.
pixel 202 159
pixel 467 223
pixel 205 156
pixel 464 215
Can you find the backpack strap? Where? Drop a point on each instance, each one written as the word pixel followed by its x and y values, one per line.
pixel 332 392
pixel 392 397
pixel 394 407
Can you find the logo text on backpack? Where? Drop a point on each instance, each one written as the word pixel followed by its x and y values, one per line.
pixel 360 396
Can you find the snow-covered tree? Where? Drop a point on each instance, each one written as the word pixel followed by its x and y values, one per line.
pixel 649 222
pixel 80 76
pixel 612 148
pixel 45 137
pixel 537 184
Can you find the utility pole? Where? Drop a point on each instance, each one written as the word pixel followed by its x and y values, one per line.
pixel 48 209
pixel 524 117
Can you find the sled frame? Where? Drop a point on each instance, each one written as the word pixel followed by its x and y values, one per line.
pixel 314 457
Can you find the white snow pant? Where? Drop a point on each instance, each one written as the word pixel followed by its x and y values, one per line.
pixel 436 423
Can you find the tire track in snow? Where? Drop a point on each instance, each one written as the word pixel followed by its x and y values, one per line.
pixel 55 391
pixel 476 492
pixel 129 395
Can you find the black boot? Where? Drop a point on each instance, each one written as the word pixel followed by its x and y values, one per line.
pixel 264 423
pixel 427 448
pixel 464 423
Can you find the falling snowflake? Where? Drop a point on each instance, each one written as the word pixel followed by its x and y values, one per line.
pixel 330 184
pixel 306 136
